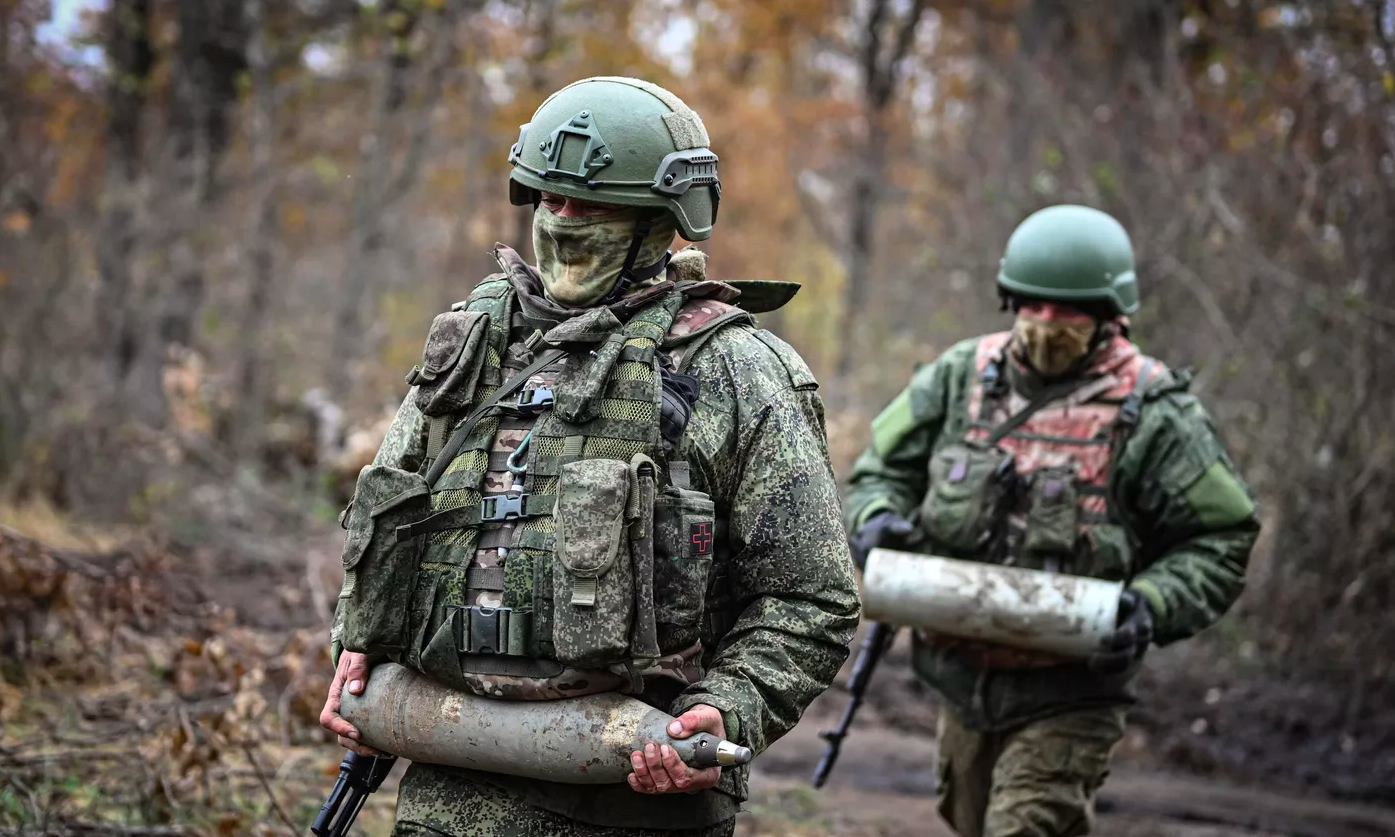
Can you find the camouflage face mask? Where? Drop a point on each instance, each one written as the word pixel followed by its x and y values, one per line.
pixel 580 258
pixel 1050 347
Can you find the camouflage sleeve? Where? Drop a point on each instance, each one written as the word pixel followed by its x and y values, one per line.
pixel 796 600
pixel 1195 517
pixel 891 474
pixel 403 447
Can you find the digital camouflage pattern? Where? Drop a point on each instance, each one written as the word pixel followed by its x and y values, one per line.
pixel 593 580
pixel 1039 780
pixel 433 801
pixel 782 602
pixel 1192 519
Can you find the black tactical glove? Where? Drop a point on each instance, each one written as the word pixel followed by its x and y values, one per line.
pixel 1126 645
pixel 884 528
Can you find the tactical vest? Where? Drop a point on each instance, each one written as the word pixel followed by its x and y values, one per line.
pixel 1027 483
pixel 548 547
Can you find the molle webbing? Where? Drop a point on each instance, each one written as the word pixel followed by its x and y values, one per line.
pixel 603 404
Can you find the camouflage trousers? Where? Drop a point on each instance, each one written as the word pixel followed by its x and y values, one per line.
pixel 1038 780
pixel 436 803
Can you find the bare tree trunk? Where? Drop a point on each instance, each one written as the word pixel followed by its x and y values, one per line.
pixel 131 58
pixel 880 77
pixel 209 56
pixel 253 357
pixel 379 188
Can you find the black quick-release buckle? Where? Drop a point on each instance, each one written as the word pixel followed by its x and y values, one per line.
pixel 1130 411
pixel 486 630
pixel 489 630
pixel 503 507
pixel 534 400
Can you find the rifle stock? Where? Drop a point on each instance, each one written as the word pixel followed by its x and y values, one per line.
pixel 874 644
pixel 358 777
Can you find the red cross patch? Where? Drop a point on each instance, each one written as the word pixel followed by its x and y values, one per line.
pixel 701 537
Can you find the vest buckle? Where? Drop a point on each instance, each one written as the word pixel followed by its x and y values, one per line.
pixel 533 400
pixel 503 507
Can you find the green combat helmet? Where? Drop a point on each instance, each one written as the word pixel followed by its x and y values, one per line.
pixel 1071 254
pixel 620 141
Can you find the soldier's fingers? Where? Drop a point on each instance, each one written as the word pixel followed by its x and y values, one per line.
pixel 900 526
pixel 643 782
pixel 701 718
pixel 361 749
pixel 336 724
pixel 356 673
pixel 704 779
pixel 1124 638
pixel 330 718
pixel 677 770
pixel 657 772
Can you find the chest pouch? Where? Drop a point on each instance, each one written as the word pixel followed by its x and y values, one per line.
pixel 450 362
pixel 1053 517
pixel 604 515
pixel 379 569
pixel 685 538
pixel 970 491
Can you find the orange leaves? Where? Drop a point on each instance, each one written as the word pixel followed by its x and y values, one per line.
pixel 16 222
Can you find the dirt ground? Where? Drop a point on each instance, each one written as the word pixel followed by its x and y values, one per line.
pixel 209 667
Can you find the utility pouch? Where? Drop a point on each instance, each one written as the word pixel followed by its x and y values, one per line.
pixel 1105 552
pixel 644 638
pixel 1053 517
pixel 593 583
pixel 970 490
pixel 379 570
pixel 684 540
pixel 450 362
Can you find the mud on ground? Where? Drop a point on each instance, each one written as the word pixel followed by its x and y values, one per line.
pixel 159 688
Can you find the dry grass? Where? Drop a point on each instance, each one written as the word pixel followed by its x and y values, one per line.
pixel 132 704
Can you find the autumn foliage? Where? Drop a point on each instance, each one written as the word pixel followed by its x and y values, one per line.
pixel 226 224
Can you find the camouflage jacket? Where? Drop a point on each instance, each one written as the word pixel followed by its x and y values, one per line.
pixel 1191 519
pixel 783 602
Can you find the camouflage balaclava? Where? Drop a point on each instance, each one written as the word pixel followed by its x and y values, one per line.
pixel 1050 347
pixel 580 258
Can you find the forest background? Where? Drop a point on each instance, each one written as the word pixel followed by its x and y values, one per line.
pixel 226 224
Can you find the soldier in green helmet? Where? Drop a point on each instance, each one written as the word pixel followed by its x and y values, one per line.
pixel 605 478
pixel 1054 446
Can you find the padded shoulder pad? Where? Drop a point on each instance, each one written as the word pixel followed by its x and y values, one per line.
pixel 698 317
pixel 1166 381
pixel 492 286
pixel 800 376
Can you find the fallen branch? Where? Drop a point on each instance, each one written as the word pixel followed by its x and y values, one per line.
pixel 270 793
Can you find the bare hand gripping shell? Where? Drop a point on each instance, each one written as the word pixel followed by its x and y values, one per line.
pixel 583 740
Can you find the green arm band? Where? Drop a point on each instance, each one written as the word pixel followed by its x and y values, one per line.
pixel 1217 498
pixel 893 423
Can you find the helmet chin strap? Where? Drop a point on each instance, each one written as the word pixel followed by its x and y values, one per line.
pixel 629 274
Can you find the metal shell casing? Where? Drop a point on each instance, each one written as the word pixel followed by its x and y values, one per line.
pixel 1031 609
pixel 582 740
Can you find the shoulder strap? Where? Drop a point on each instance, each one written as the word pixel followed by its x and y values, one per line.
pixel 1124 422
pixel 993 384
pixel 457 439
pixel 1045 397
pixel 1131 409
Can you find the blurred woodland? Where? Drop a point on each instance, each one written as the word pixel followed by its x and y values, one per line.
pixel 226 224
